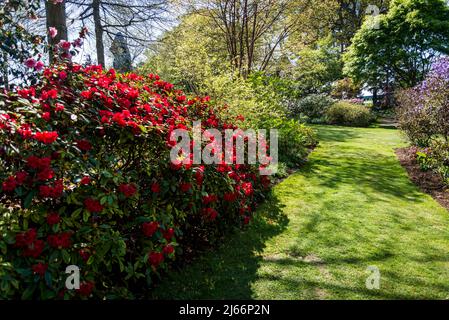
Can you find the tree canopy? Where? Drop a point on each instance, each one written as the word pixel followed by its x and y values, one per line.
pixel 400 46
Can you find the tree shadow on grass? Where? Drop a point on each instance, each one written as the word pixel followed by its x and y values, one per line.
pixel 379 173
pixel 229 271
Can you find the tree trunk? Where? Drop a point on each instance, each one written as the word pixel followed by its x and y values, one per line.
pixel 375 99
pixel 98 32
pixel 55 17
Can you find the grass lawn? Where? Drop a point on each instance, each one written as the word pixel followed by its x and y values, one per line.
pixel 352 206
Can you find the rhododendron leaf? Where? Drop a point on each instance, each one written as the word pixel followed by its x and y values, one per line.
pixel 122 267
pixel 90 260
pixel 103 249
pixel 29 199
pixel 103 200
pixel 3 247
pixel 86 215
pixel 28 293
pixel 65 256
pixel 76 213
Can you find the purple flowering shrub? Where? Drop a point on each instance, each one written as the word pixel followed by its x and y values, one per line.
pixel 424 117
pixel 424 110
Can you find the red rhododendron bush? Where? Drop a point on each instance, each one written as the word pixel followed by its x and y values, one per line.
pixel 86 180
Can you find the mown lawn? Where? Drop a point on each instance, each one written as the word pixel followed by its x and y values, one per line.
pixel 352 206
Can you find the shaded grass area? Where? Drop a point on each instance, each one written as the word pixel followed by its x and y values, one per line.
pixel 352 206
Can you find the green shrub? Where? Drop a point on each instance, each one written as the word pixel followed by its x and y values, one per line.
pixel 311 108
pixel 348 114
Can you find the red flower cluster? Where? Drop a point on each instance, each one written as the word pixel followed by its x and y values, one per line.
pixel 93 205
pixel 230 196
pixel 28 241
pixel 210 213
pixel 155 187
pixel 60 240
pixel 185 186
pixel 11 183
pixel 84 145
pixel 40 268
pixel 168 249
pixel 53 218
pixel 149 228
pixel 155 258
pixel 85 180
pixel 169 233
pixel 86 288
pixel 248 188
pixel 46 137
pixel 210 199
pixel 128 190
pixel 84 254
pixel 54 191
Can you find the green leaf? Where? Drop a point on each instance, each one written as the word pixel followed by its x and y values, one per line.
pixel 86 215
pixel 65 256
pixel 29 199
pixel 76 213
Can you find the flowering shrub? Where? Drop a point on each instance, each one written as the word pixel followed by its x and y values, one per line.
pixel 86 180
pixel 424 118
pixel 424 110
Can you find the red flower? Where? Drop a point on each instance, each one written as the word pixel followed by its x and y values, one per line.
pixel 230 197
pixel 199 177
pixel 54 191
pixel 46 137
pixel 85 180
pixel 40 268
pixel 38 163
pixel 169 233
pixel 53 218
pixel 9 184
pixel 155 187
pixel 247 188
pixel 45 174
pixel 176 166
pixel 59 107
pixel 168 250
pixel 60 240
pixel 86 288
pixel 85 254
pixel 185 186
pixel 149 228
pixel 84 145
pixel 209 199
pixel 155 258
pixel 128 189
pixel 246 220
pixel 65 44
pixel 34 250
pixel 51 94
pixel 46 116
pixel 26 238
pixel 21 176
pixel 93 205
pixel 210 213
pixel 63 75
